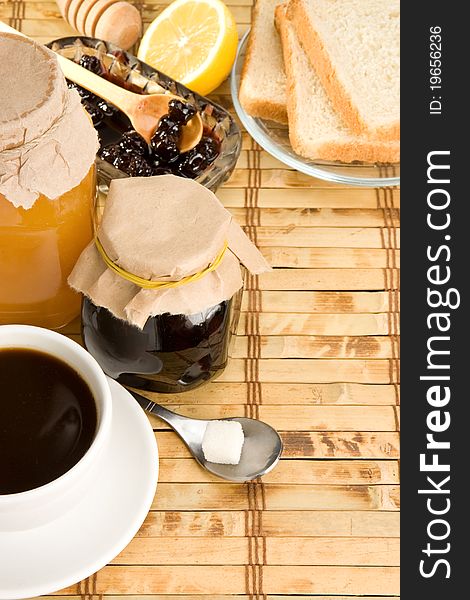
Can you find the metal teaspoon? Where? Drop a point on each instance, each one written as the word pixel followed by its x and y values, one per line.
pixel 261 450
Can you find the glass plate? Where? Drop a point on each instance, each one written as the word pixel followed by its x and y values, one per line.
pixel 144 79
pixel 274 138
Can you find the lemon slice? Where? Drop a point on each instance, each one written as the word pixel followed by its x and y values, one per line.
pixel 192 41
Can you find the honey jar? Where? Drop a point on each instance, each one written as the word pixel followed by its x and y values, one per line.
pixel 47 186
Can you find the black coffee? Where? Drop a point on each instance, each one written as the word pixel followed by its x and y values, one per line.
pixel 48 419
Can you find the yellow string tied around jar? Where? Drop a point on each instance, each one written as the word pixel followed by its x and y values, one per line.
pixel 147 284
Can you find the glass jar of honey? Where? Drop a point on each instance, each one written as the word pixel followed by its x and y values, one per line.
pixel 47 186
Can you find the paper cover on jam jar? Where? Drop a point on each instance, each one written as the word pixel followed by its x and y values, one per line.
pixel 164 229
pixel 47 141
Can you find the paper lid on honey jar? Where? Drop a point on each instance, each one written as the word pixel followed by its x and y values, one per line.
pixel 165 245
pixel 47 142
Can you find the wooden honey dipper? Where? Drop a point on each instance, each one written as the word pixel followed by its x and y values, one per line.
pixel 114 21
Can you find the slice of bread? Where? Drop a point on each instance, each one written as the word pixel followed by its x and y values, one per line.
pixel 263 81
pixel 315 129
pixel 354 47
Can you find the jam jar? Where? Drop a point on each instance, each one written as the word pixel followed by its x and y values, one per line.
pixel 172 353
pixel 162 283
pixel 47 186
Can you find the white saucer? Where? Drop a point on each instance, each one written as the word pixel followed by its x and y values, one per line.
pixel 49 558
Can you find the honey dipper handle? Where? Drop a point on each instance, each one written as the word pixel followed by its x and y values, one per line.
pixel 114 94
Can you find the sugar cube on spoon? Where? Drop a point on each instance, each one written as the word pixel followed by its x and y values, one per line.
pixel 223 442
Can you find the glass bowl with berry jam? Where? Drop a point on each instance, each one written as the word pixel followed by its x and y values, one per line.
pixel 122 151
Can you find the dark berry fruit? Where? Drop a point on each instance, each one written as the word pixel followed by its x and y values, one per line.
pixel 85 94
pixel 114 155
pixel 132 143
pixel 209 148
pixel 165 149
pixel 106 108
pixel 164 144
pixel 92 63
pixel 139 167
pixel 169 126
pixel 122 162
pixel 162 136
pixel 193 164
pixel 132 164
pixel 94 112
pixel 180 112
pixel 108 152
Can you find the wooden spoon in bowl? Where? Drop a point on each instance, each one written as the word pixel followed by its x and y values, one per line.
pixel 144 110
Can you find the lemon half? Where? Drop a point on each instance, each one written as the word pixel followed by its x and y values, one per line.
pixel 192 41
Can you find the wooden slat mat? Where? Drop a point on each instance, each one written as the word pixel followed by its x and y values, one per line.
pixel 317 357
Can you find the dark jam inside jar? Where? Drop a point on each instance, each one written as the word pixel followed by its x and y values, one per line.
pixel 172 353
pixel 126 150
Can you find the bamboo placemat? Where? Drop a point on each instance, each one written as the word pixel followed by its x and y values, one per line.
pixel 316 357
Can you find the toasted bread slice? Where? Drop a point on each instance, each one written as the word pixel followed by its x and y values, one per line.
pixel 315 129
pixel 263 81
pixel 354 47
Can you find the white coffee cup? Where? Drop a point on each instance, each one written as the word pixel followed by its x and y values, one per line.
pixel 41 505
